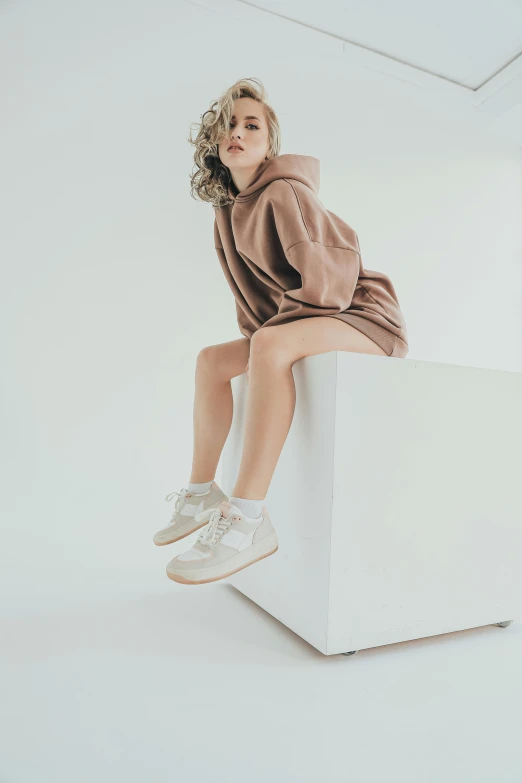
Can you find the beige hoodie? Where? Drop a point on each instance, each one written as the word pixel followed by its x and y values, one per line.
pixel 286 257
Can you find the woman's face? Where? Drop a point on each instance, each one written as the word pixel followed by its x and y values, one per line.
pixel 249 130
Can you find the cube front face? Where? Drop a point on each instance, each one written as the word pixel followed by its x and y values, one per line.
pixel 292 585
pixel 394 501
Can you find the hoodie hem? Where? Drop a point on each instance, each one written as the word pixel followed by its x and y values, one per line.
pixel 386 340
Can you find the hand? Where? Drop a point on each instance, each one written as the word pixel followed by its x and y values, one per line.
pixel 246 368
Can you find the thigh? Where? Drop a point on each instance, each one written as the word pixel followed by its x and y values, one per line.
pixel 226 360
pixel 317 334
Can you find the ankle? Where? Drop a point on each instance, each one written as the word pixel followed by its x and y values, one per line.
pixel 198 487
pixel 250 508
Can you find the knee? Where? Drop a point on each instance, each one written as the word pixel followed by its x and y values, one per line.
pixel 266 345
pixel 207 358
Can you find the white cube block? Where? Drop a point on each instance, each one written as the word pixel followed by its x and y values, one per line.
pixel 396 501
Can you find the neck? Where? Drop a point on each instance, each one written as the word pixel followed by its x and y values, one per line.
pixel 244 177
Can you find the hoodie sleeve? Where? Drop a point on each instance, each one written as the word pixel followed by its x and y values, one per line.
pixel 245 325
pixel 322 250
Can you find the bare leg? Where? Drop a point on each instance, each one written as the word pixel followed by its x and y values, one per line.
pixel 213 403
pixel 271 392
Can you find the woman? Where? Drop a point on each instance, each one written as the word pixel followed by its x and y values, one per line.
pixel 300 289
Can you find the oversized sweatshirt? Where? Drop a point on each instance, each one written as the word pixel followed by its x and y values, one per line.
pixel 286 257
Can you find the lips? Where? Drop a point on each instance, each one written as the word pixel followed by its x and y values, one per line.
pixel 235 147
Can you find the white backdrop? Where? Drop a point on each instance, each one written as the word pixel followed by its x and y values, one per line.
pixel 111 284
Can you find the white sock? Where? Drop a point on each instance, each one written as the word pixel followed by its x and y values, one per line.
pixel 250 508
pixel 198 488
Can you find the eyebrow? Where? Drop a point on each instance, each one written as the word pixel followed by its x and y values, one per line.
pixel 249 117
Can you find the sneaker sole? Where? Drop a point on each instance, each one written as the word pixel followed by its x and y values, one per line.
pixel 193 530
pixel 181 579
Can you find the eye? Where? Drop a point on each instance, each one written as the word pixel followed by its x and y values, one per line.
pixel 250 125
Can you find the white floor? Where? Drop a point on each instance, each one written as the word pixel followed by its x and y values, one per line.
pixel 139 679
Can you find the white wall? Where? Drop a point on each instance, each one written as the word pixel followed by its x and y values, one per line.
pixel 111 284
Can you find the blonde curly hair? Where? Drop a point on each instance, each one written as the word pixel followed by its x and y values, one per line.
pixel 210 180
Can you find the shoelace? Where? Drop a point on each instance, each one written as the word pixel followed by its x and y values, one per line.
pixel 218 523
pixel 180 501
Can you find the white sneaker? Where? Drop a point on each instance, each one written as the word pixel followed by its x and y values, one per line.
pixel 231 542
pixel 187 505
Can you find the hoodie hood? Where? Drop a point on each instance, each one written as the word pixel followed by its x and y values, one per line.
pixel 303 168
